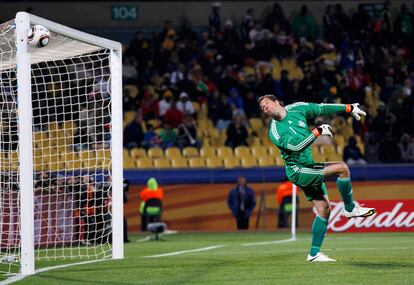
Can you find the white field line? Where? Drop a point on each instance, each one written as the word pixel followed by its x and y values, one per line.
pixel 19 277
pixel 184 251
pixel 269 242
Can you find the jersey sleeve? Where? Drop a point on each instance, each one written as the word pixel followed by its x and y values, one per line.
pixel 286 141
pixel 312 110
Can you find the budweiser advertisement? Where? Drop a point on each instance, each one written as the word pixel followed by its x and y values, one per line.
pixel 391 216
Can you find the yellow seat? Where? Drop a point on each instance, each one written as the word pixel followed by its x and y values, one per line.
pixel 254 141
pixel 231 162
pixel 190 152
pixel 86 155
pixel 333 157
pixel 155 123
pixel 132 90
pixel 197 162
pixel 155 152
pixel 104 154
pixel 207 152
pixel 129 164
pixel 214 162
pixel 179 162
pixel 172 152
pixel 196 106
pixel 138 153
pixel 279 161
pixel 224 151
pixel 327 149
pixel 274 151
pixel 259 151
pixel 256 124
pixel 73 164
pixel 339 140
pixel 266 161
pixel 242 151
pixel 129 116
pixel 144 162
pixel 162 163
pixel 247 162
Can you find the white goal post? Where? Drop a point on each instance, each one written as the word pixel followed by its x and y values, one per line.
pixel 65 100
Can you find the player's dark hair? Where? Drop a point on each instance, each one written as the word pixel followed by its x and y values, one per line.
pixel 268 96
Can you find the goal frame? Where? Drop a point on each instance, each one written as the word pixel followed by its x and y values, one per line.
pixel 23 22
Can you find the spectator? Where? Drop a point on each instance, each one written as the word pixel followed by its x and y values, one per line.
pixel 236 133
pixel 250 106
pixel 241 201
pixel 284 199
pixel 126 189
pixel 149 106
pixel 151 203
pixel 165 103
pixel 133 133
pixel 168 136
pixel 304 25
pixel 352 153
pixel 360 22
pixel 151 138
pixel 406 146
pixel 187 133
pixel 185 105
pixel 247 23
pixel 277 17
pixel 214 17
pixel 173 116
pixel 403 25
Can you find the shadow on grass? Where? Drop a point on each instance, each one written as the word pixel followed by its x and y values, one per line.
pixel 381 265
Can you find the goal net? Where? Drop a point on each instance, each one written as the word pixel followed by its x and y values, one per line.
pixel 61 192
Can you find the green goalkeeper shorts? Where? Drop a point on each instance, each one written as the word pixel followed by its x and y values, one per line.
pixel 309 178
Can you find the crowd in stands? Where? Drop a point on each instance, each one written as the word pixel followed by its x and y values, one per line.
pixel 178 73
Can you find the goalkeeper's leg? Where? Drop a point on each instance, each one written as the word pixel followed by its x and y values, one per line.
pixel 319 228
pixel 345 189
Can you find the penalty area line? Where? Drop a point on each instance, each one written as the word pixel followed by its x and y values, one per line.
pixel 185 251
pixel 269 242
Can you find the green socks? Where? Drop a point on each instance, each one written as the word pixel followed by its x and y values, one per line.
pixel 319 228
pixel 345 188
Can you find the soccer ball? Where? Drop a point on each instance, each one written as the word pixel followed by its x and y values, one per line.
pixel 38 36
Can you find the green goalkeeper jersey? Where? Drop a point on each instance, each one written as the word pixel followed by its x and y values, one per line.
pixel 292 135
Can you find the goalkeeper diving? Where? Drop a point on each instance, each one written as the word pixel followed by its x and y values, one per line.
pixel 289 131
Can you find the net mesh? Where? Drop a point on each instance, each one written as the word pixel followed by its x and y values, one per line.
pixel 71 100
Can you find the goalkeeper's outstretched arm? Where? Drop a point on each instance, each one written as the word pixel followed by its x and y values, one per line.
pixel 314 110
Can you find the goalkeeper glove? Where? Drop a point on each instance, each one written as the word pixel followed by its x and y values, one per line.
pixel 356 111
pixel 323 130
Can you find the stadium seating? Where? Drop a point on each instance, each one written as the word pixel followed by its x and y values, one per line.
pixel 179 162
pixel 190 152
pixel 155 152
pixel 172 152
pixel 259 151
pixel 242 151
pixel 231 162
pixel 214 162
pixel 224 152
pixel 266 161
pixel 197 162
pixel 162 163
pixel 138 153
pixel 248 162
pixel 144 162
pixel 207 152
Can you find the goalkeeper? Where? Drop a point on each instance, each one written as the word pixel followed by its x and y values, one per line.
pixel 290 133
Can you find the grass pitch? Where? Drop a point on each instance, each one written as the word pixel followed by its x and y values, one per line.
pixel 375 258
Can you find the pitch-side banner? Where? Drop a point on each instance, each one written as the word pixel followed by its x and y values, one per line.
pixel 391 216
